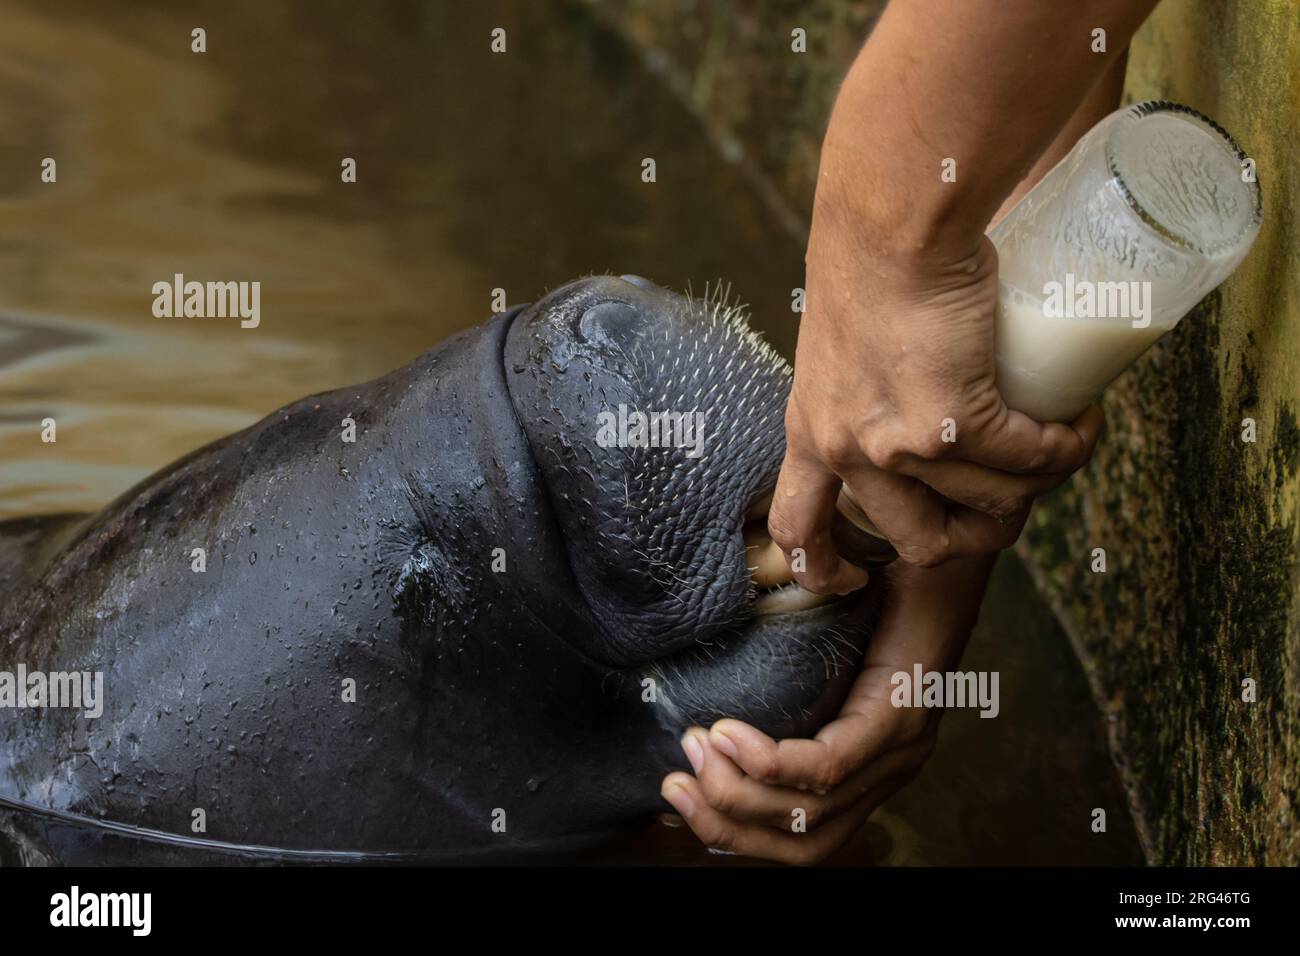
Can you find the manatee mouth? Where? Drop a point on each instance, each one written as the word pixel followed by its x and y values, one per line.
pixel 785 672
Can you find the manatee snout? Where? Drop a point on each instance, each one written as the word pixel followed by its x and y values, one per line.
pixel 657 421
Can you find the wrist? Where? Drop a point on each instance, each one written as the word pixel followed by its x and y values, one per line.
pixel 896 209
pixel 859 244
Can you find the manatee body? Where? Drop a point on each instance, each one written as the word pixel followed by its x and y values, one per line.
pixel 529 614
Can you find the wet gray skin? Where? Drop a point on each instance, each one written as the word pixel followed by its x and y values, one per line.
pixel 477 690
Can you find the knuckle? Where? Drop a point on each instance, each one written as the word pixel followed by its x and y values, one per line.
pixel 913 555
pixel 839 451
pixel 794 416
pixel 1008 540
pixel 1010 507
pixel 715 791
pixel 1054 452
pixel 891 449
pixel 935 554
pixel 720 796
pixel 815 812
pixel 1010 528
pixel 830 774
pixel 769 768
pixel 718 837
pixel 911 728
pixel 928 551
pixel 929 444
pixel 884 450
pixel 793 419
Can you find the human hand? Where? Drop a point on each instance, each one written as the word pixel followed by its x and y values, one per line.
pixel 895 397
pixel 748 788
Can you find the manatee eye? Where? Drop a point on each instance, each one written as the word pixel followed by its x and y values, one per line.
pixel 610 323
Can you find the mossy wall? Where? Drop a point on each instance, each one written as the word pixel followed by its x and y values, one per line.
pixel 1201 528
pixel 1201 590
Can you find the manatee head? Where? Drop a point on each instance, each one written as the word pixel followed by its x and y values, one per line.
pixel 657 422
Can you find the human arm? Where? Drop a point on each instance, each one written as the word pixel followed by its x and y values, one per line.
pixel 902 282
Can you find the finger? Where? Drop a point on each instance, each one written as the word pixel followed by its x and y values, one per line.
pixel 1000 494
pixel 783 845
pixel 911 511
pixel 820 764
pixel 1015 442
pixel 972 532
pixel 923 528
pixel 904 510
pixel 738 796
pixel 905 762
pixel 733 794
pixel 800 524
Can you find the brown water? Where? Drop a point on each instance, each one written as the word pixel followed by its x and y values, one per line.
pixel 476 171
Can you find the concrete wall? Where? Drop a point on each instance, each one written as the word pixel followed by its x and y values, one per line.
pixel 1201 530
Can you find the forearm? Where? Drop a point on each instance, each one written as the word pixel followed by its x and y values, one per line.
pixel 988 84
pixel 932 611
pixel 1102 100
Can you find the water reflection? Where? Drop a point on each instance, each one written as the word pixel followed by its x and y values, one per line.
pixel 476 172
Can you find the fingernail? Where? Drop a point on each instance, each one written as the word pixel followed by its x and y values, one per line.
pixel 723 743
pixel 680 799
pixel 670 820
pixel 694 752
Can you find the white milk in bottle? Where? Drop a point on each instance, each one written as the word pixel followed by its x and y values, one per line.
pixel 1053 367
